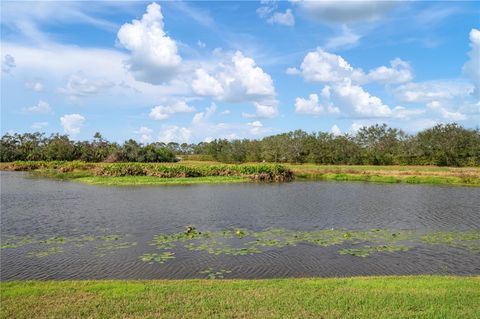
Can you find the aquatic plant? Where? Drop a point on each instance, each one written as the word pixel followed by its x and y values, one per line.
pixel 159 258
pixel 212 273
pixel 367 250
pixel 48 252
pixel 469 240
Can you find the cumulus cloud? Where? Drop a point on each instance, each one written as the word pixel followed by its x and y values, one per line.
pixel 238 80
pixel 361 101
pixel 256 127
pixel 344 86
pixel 145 134
pixel 163 112
pixel 399 72
pixel 35 86
pixel 40 107
pixel 335 130
pixel 206 85
pixel 79 85
pixel 154 57
pixel 428 91
pixel 72 123
pixel 286 18
pixel 39 125
pixel 204 116
pixel 332 11
pixel 8 63
pixel 472 67
pixel 313 106
pixel 445 113
pixel 173 133
pixel 325 67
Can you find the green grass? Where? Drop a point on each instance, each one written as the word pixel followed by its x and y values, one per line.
pixel 357 297
pixel 152 180
pixel 409 179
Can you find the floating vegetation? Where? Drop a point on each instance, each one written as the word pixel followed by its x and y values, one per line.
pixel 54 240
pixel 469 240
pixel 243 242
pixel 367 250
pixel 110 247
pixel 13 241
pixel 215 274
pixel 48 252
pixel 110 237
pixel 159 258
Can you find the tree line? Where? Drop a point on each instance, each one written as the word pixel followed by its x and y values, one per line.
pixel 443 145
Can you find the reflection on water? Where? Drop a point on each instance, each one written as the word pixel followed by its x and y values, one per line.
pixel 57 210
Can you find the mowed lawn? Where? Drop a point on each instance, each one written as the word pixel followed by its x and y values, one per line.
pixel 357 297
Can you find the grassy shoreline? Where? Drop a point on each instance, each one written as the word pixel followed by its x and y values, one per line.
pixel 194 172
pixel 355 297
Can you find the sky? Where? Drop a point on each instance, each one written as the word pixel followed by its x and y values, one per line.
pixel 196 71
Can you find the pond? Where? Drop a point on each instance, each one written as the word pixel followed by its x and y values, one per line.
pixel 54 229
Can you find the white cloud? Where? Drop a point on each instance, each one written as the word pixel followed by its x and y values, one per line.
pixel 428 91
pixel 145 134
pixel 292 71
pixel 154 57
pixel 267 109
pixel 163 112
pixel 39 125
pixel 267 8
pixel 206 85
pixel 286 18
pixel 173 133
pixel 347 39
pixel 256 127
pixel 362 102
pixel 335 130
pixel 8 63
pixel 72 123
pixel 325 67
pixel 472 67
pixel 239 80
pixel 78 85
pixel 226 112
pixel 204 116
pixel 35 86
pixel 321 66
pixel 40 107
pixel 201 44
pixel 399 72
pixel 333 11
pixel 313 106
pixel 445 113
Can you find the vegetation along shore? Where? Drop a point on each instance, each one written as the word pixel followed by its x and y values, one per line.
pixel 357 297
pixel 194 172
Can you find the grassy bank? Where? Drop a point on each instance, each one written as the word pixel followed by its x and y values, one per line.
pixel 358 297
pixel 125 174
pixel 389 174
pixel 192 172
pixel 152 180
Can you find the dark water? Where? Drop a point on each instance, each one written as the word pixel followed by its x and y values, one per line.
pixel 45 208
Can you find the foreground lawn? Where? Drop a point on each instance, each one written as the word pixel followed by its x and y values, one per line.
pixel 358 297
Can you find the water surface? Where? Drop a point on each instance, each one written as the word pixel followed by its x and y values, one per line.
pixel 43 208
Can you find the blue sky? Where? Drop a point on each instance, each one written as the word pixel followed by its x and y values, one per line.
pixel 195 71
